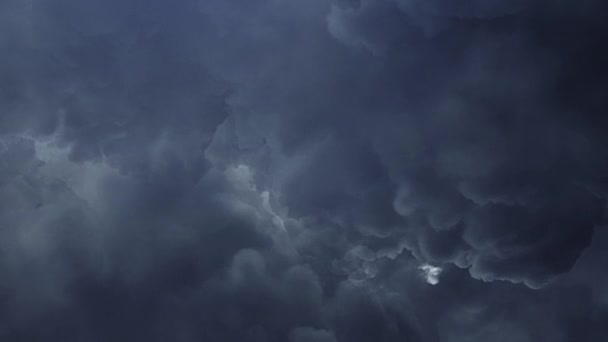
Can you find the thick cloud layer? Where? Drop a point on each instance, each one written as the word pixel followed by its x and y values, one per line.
pixel 356 170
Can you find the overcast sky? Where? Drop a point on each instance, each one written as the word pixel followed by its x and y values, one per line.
pixel 303 170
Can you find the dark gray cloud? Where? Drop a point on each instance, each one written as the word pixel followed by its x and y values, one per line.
pixel 372 170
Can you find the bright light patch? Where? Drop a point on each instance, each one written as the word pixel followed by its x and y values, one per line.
pixel 431 273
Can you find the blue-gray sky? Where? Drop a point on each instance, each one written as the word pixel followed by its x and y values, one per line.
pixel 303 171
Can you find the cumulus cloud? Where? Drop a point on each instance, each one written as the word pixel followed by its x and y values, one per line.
pixel 302 170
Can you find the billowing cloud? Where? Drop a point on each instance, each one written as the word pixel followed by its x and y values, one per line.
pixel 303 170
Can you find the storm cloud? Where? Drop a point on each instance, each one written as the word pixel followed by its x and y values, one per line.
pixel 284 170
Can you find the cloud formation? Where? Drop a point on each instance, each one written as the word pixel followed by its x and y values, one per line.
pixel 303 170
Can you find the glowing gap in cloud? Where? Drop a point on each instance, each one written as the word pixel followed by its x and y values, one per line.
pixel 431 273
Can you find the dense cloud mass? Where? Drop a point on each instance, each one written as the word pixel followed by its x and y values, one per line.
pixel 303 171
